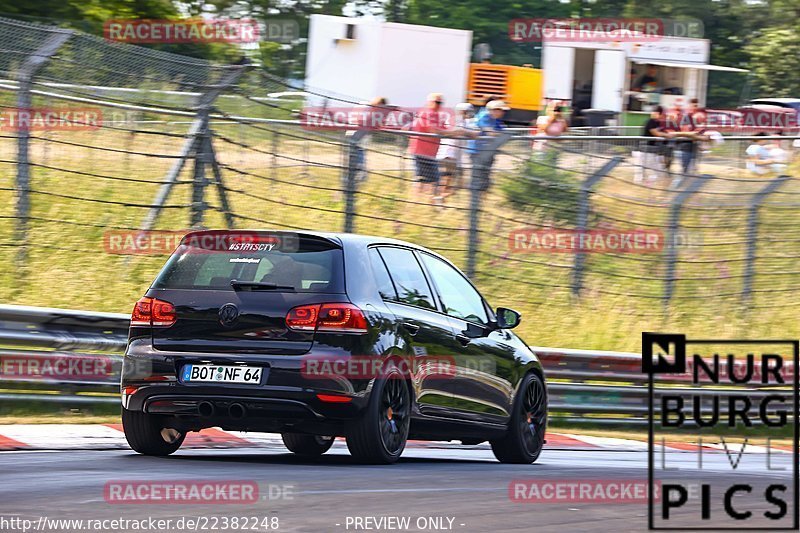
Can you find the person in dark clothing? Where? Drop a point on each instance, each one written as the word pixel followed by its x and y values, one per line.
pixel 652 151
pixel 649 81
pixel 691 130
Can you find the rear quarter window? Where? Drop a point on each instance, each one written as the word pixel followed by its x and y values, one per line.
pixel 382 279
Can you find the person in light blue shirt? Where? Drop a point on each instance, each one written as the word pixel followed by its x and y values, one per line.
pixel 488 121
pixel 489 124
pixel 483 111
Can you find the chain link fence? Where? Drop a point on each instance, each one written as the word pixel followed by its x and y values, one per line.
pixel 595 230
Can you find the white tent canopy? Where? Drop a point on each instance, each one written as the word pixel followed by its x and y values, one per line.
pixel 699 66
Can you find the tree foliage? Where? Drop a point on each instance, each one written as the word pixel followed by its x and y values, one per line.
pixel 775 61
pixel 762 35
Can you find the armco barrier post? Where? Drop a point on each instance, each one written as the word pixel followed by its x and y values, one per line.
pixel 752 234
pixel 584 206
pixel 673 225
pixel 355 160
pixel 25 76
pixel 482 162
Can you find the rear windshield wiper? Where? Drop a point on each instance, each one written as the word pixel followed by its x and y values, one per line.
pixel 259 286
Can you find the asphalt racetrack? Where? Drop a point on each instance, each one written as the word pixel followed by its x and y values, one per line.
pixel 434 488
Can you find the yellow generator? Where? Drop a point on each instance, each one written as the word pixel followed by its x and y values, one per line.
pixel 520 87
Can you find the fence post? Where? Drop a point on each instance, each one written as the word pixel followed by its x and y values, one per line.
pixel 201 161
pixel 583 218
pixel 673 224
pixel 221 190
pixel 482 162
pixel 24 77
pixel 752 233
pixel 195 147
pixel 275 140
pixel 354 153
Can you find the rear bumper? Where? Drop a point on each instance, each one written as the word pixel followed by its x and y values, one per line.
pixel 150 384
pixel 186 401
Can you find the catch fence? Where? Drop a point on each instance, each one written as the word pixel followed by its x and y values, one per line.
pixel 587 225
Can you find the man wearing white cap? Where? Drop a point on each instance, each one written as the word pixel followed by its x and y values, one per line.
pixel 490 123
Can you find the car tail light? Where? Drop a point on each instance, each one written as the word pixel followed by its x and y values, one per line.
pixel 303 318
pixel 333 318
pixel 152 312
pixel 342 318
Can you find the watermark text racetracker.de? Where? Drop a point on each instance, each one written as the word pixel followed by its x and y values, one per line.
pixel 50 118
pixel 200 30
pixel 554 491
pixel 219 492
pixel 634 30
pixel 373 117
pixel 56 366
pixel 633 241
pixel 164 242
pixel 367 367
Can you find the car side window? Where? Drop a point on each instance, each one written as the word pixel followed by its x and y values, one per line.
pixel 382 279
pixel 408 277
pixel 459 297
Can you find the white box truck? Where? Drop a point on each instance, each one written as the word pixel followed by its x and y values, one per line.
pixel 358 59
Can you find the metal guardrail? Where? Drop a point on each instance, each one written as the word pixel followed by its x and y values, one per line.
pixel 38 345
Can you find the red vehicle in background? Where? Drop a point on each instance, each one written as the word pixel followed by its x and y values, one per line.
pixel 754 118
pixel 768 118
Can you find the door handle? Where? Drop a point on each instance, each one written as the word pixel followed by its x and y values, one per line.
pixel 463 339
pixel 413 329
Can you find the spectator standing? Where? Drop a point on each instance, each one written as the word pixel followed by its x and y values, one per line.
pixel 670 126
pixel 557 124
pixel 484 110
pixel 779 156
pixel 451 151
pixel 425 149
pixel 554 126
pixel 652 154
pixel 691 130
pixel 544 119
pixel 490 124
pixel 370 120
pixel 758 156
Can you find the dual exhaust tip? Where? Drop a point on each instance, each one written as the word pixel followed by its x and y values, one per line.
pixel 236 411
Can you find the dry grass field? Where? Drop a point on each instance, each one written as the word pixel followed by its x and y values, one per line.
pixel 89 183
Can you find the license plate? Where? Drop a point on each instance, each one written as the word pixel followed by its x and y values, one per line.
pixel 222 374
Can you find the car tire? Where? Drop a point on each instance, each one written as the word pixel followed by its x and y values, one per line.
pixel 379 435
pixel 147 434
pixel 307 445
pixel 524 440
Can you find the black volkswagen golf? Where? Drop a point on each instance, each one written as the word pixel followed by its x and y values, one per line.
pixel 316 335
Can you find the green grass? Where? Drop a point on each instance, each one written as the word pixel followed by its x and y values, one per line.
pixel 67 266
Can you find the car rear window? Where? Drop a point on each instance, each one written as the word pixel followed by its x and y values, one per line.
pixel 298 263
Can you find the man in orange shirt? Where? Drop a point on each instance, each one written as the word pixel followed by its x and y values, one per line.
pixel 424 149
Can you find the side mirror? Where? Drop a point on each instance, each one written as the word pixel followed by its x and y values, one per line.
pixel 507 318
